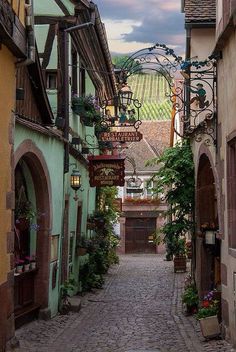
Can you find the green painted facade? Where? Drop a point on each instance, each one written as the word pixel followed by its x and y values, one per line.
pixel 53 153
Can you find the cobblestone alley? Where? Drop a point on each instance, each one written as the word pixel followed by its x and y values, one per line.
pixel 139 310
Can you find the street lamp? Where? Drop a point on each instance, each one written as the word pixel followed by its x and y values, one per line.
pixel 75 182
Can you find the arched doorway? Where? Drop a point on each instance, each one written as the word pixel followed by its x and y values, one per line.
pixel 32 241
pixel 208 255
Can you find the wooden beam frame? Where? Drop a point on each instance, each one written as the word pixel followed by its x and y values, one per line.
pixel 48 45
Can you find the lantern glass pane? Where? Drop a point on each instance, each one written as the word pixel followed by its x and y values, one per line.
pixel 210 237
pixel 75 180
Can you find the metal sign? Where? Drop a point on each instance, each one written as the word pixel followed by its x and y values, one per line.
pixel 122 136
pixel 106 170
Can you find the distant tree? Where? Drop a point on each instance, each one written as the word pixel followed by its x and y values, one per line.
pixel 128 63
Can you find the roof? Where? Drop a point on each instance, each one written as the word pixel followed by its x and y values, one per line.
pixel 200 11
pixel 156 137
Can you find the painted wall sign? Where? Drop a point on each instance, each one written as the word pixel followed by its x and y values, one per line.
pixel 122 136
pixel 106 170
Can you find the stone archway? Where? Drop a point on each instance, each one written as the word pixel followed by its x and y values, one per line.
pixel 208 263
pixel 28 153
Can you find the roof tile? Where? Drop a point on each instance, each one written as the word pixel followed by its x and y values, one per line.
pixel 200 11
pixel 156 137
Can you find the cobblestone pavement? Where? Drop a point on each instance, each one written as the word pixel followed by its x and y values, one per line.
pixel 139 310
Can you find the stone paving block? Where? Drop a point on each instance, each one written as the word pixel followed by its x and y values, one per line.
pixel 139 310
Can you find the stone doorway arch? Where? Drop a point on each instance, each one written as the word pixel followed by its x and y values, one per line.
pixel 208 265
pixel 32 157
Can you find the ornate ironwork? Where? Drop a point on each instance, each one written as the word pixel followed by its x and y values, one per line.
pixel 193 98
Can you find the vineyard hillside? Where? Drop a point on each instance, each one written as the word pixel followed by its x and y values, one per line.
pixel 151 90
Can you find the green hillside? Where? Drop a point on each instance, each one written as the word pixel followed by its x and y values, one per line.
pixel 150 90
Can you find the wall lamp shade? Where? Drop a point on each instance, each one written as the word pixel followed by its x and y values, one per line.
pixel 125 95
pixel 75 180
pixel 210 237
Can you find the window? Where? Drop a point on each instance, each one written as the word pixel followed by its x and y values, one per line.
pixel 231 191
pixel 134 187
pixel 149 189
pixel 51 79
pixel 74 78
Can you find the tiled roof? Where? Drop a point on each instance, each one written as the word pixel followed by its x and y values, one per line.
pixel 200 11
pixel 156 137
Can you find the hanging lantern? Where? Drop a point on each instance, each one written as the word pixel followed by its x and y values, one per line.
pixel 125 95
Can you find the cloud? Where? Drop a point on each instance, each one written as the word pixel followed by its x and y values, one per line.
pixel 143 22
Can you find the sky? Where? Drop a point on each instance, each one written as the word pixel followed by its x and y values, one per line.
pixel 136 24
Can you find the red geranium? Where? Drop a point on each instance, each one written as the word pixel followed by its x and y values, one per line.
pixel 205 304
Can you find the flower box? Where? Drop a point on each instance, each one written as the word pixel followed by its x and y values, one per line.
pixel 210 326
pixel 179 263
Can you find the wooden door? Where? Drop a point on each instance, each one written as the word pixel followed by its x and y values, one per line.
pixel 137 235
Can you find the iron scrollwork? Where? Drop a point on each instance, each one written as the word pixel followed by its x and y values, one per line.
pixel 193 98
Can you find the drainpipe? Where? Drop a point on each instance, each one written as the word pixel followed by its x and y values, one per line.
pixel 187 57
pixel 29 23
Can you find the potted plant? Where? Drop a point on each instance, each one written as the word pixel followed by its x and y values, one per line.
pixel 24 214
pixel 175 180
pixel 207 316
pixel 190 298
pixel 83 246
pixel 179 252
pixel 86 107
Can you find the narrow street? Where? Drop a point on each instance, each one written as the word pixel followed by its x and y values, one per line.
pixel 139 310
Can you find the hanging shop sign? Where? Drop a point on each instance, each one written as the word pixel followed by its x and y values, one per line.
pixel 106 170
pixel 122 136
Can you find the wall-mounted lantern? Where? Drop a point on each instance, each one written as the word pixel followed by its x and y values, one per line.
pixel 75 182
pixel 210 237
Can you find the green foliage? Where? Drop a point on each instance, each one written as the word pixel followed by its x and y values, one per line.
pixel 208 311
pixel 175 179
pixel 67 287
pixel 24 209
pixel 190 296
pixel 121 62
pixel 86 107
pixel 102 246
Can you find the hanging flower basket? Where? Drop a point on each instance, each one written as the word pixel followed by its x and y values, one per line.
pixel 77 109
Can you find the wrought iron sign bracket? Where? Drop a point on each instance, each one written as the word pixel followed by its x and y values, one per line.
pixel 194 99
